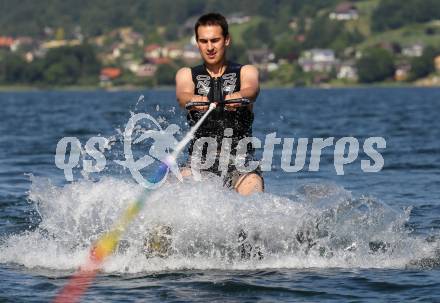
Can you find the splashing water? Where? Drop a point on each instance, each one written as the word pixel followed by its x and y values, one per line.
pixel 324 226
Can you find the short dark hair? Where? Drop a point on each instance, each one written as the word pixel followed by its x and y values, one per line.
pixel 212 19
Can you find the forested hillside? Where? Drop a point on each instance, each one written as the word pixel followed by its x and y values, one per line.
pixel 282 37
pixel 29 17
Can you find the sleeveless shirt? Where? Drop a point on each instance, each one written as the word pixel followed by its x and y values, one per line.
pixel 219 119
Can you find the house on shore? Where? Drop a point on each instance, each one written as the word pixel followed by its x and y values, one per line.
pixel 108 74
pixel 402 71
pixel 344 11
pixel 347 71
pixel 318 60
pixel 414 50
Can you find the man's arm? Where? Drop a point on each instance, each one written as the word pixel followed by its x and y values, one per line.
pixel 185 88
pixel 250 86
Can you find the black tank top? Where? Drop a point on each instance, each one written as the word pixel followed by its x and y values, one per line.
pixel 219 119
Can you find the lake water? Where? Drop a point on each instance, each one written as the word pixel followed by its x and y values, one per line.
pixel 361 236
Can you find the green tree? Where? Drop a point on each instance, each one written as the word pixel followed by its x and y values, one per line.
pixel 287 48
pixel 34 72
pixel 60 66
pixel 171 32
pixel 64 72
pixel 391 14
pixel 323 32
pixel 283 75
pixel 258 35
pixel 423 65
pixel 86 55
pixel 237 53
pixel 71 65
pixel 12 69
pixel 165 74
pixel 376 65
pixel 326 33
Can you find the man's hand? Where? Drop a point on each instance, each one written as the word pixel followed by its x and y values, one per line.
pixel 249 87
pixel 198 98
pixel 233 106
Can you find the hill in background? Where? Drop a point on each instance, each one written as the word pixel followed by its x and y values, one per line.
pixel 286 39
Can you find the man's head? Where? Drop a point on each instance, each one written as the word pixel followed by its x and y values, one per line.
pixel 212 37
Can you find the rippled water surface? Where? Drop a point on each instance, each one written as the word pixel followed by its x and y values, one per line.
pixel 325 237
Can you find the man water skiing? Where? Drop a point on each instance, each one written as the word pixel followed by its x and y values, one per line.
pixel 215 81
pixel 201 84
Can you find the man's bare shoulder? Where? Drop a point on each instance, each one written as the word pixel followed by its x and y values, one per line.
pixel 184 85
pixel 183 74
pixel 249 69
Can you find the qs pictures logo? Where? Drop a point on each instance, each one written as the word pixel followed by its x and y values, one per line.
pixel 346 151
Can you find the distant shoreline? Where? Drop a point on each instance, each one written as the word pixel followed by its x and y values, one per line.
pixel 24 88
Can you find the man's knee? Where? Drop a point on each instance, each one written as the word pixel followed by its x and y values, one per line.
pixel 249 183
pixel 185 172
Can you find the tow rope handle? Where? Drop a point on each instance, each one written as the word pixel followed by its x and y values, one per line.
pixel 241 101
pixel 217 96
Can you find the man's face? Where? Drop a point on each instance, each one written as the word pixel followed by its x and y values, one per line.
pixel 211 43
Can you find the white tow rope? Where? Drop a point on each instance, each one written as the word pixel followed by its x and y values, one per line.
pixel 191 132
